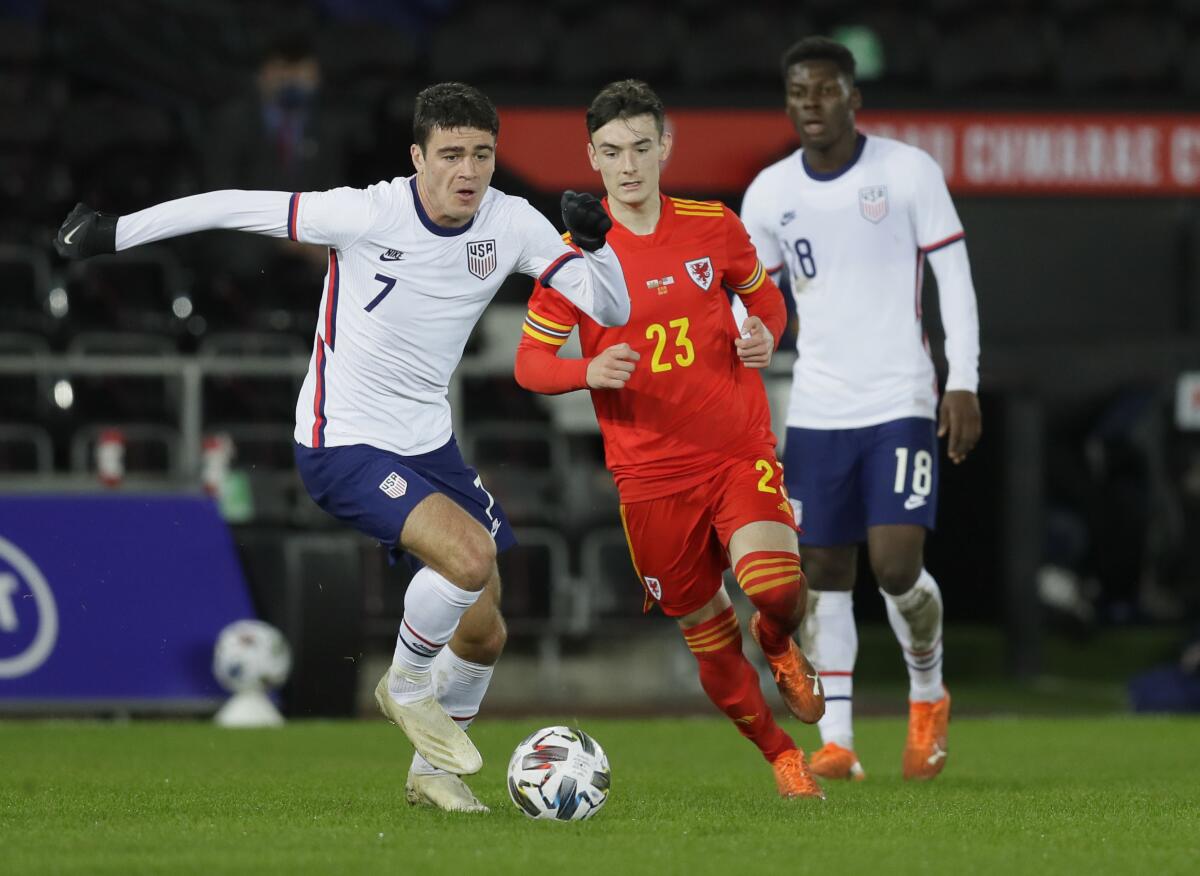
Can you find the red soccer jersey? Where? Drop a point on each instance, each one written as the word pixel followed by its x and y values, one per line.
pixel 690 405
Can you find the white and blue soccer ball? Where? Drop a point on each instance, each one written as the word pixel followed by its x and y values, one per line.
pixel 559 773
pixel 251 655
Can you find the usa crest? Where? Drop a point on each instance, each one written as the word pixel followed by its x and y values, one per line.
pixel 481 258
pixel 701 272
pixel 873 203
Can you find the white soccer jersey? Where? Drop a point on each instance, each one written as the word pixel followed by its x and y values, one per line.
pixel 854 244
pixel 401 296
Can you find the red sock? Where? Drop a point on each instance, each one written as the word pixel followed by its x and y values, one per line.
pixel 732 684
pixel 775 584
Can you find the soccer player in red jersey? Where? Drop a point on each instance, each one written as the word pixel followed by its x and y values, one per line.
pixel 686 426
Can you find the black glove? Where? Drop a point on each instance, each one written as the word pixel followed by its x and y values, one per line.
pixel 86 233
pixel 584 216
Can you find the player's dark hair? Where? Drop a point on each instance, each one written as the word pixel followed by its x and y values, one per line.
pixel 452 105
pixel 624 100
pixel 819 48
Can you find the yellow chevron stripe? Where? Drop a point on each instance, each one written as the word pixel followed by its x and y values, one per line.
pixel 545 339
pixel 537 317
pixel 691 203
pixel 721 630
pixel 768 585
pixel 758 574
pixel 698 213
pixel 767 565
pixel 715 646
pixel 769 561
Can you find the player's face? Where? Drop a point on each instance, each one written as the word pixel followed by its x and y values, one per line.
pixel 821 102
pixel 629 154
pixel 453 172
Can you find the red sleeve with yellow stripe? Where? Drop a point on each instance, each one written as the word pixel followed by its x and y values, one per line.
pixel 755 287
pixel 548 324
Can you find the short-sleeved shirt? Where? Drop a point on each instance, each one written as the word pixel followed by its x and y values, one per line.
pixel 690 405
pixel 854 244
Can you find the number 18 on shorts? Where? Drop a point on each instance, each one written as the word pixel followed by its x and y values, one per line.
pixel 843 481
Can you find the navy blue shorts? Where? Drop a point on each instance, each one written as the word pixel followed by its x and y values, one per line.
pixel 375 490
pixel 842 481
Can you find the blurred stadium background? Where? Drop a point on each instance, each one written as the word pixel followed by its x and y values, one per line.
pixel 133 387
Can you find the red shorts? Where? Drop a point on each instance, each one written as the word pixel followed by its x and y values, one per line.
pixel 678 543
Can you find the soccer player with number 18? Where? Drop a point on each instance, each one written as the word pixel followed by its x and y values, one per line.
pixel 686 427
pixel 854 219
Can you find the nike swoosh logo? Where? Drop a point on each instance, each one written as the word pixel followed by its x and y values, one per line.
pixel 937 755
pixel 816 684
pixel 385 258
pixel 71 233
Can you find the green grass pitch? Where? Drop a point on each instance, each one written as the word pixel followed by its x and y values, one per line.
pixel 1019 796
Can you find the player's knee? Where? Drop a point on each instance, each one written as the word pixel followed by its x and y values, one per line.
pixel 475 562
pixel 896 574
pixel 827 574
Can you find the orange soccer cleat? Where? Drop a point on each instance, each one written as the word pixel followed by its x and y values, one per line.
pixel 832 761
pixel 792 777
pixel 799 684
pixel 925 750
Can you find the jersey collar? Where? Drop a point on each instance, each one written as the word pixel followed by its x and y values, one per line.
pixel 860 143
pixel 666 217
pixel 439 230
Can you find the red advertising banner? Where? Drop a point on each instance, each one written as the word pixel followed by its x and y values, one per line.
pixel 721 150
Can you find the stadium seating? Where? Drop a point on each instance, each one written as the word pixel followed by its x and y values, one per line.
pixel 241 397
pixel 25 396
pixel 523 464
pixel 490 42
pixel 536 576
pixel 705 59
pixel 25 292
pixel 616 43
pixel 150 449
pixel 135 291
pixel 119 398
pixel 613 589
pixel 966 58
pixel 25 449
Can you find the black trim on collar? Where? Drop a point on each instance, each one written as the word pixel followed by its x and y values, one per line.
pixel 439 230
pixel 859 144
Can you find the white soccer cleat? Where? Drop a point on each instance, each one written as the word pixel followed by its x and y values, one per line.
pixel 445 791
pixel 432 732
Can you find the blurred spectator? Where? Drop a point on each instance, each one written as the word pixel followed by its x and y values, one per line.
pixel 1115 523
pixel 280 138
pixel 284 136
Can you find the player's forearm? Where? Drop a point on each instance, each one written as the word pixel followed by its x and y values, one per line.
pixel 233 209
pixel 596 285
pixel 768 305
pixel 539 370
pixel 960 315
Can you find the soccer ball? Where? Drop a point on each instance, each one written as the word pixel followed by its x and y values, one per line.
pixel 560 773
pixel 251 655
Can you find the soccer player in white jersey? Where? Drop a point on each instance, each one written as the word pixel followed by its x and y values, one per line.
pixel 853 219
pixel 412 264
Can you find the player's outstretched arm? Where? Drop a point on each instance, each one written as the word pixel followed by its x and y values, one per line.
pixel 330 218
